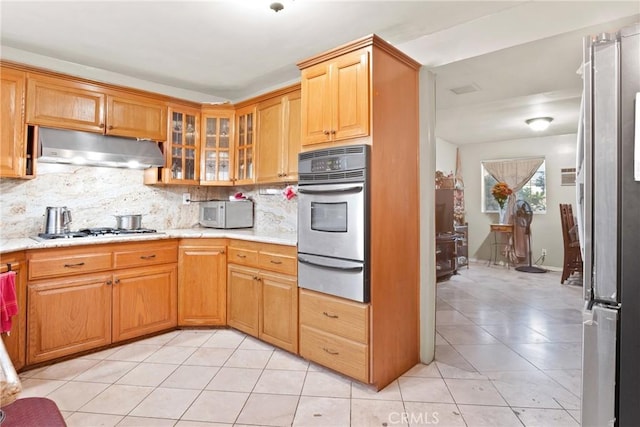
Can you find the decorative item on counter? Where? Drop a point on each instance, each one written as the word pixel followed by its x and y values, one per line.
pixel 501 192
pixel 238 196
pixel 289 192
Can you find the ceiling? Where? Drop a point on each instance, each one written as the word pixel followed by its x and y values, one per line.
pixel 522 55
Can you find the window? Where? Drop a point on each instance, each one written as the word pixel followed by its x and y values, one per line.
pixel 534 191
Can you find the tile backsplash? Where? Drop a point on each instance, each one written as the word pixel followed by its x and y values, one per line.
pixel 95 194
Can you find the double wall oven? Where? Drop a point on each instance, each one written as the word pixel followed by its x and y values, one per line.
pixel 333 221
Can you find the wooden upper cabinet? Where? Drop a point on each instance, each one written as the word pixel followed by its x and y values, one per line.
pixel 216 148
pixel 75 105
pixel 245 145
pixel 335 99
pixel 278 135
pixel 62 104
pixel 136 117
pixel 182 150
pixel 14 160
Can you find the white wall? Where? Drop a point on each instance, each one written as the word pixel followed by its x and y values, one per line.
pixel 559 152
pixel 445 156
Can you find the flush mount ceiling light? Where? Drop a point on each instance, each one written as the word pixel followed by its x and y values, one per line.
pixel 276 6
pixel 539 123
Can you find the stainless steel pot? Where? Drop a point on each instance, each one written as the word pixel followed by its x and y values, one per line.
pixel 128 222
pixel 57 220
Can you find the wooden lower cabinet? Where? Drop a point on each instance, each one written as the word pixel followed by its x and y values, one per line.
pixel 15 342
pixel 243 299
pixel 279 311
pixel 68 316
pixel 334 332
pixel 202 283
pixel 144 301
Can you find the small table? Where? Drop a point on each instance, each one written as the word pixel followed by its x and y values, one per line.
pixel 505 232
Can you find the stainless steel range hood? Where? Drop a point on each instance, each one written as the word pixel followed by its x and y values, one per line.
pixel 86 148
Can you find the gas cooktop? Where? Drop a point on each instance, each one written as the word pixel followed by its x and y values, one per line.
pixel 94 232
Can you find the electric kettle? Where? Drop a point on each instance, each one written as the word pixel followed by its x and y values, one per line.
pixel 57 220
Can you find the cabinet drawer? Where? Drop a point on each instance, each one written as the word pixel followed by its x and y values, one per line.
pixel 278 262
pixel 65 264
pixel 334 315
pixel 242 256
pixel 141 255
pixel 342 355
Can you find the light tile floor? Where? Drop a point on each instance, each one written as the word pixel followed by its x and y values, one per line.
pixel 507 354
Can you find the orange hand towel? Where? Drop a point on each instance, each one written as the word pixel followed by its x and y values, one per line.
pixel 8 301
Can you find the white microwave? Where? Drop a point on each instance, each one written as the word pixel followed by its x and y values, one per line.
pixel 227 214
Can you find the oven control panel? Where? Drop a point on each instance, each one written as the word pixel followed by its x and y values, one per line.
pixel 328 164
pixel 348 163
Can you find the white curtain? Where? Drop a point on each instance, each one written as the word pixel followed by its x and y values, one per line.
pixel 515 173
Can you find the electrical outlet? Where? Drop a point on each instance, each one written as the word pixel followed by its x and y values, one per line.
pixel 544 252
pixel 186 198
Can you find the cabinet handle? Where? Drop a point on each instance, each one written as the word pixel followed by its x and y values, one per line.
pixel 110 127
pixel 333 132
pixel 222 252
pixel 331 316
pixel 101 125
pixel 275 262
pixel 147 256
pixel 117 281
pixel 80 264
pixel 326 132
pixel 241 256
pixel 109 282
pixel 331 352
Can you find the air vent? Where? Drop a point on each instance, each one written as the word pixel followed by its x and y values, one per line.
pixel 355 174
pixel 461 90
pixel 356 149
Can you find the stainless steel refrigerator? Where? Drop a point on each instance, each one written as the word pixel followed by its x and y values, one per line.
pixel 608 199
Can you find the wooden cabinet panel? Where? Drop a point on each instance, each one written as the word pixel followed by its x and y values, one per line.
pixel 15 343
pixel 62 104
pixel 243 256
pixel 335 315
pixel 245 146
pixel 136 117
pixel 182 150
pixel 335 99
pixel 60 263
pixel 144 301
pixel 67 316
pixel 243 299
pixel 278 262
pixel 348 357
pixel 217 147
pixel 293 134
pixel 12 138
pixel 279 320
pixel 149 253
pixel 202 285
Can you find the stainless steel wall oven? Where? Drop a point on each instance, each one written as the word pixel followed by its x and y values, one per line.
pixel 333 221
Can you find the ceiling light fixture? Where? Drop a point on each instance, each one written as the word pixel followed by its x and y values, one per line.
pixel 276 6
pixel 539 124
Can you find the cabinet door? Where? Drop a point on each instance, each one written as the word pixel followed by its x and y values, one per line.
pixel 183 148
pixel 217 148
pixel 68 316
pixel 316 105
pixel 202 285
pixel 243 299
pixel 136 117
pixel 350 96
pixel 12 140
pixel 279 319
pixel 61 104
pixel 144 301
pixel 270 150
pixel 245 144
pixel 293 135
pixel 15 343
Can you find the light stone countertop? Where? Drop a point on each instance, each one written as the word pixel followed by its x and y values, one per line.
pixel 20 244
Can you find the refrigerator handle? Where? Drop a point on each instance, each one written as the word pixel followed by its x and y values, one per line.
pixel 587 169
pixel 636 141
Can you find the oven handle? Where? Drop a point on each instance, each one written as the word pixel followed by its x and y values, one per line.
pixel 355 189
pixel 330 267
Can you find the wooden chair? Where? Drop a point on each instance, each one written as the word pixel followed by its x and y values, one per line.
pixel 572 255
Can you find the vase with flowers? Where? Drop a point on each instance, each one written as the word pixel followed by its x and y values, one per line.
pixel 501 192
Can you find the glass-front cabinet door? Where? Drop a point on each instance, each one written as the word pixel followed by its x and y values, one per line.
pixel 217 148
pixel 244 172
pixel 183 146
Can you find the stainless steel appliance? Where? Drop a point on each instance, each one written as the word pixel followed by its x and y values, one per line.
pixel 333 218
pixel 227 214
pixel 95 232
pixel 57 220
pixel 608 198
